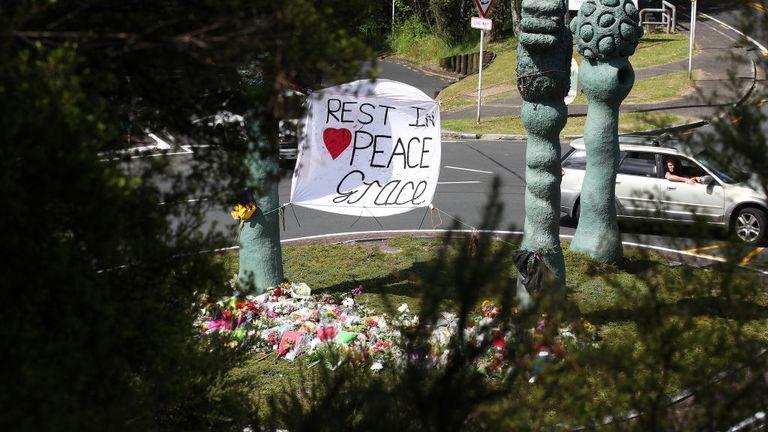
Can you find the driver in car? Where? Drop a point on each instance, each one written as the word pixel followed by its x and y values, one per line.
pixel 673 174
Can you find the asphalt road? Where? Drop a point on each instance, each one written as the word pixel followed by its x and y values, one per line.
pixel 467 173
pixel 468 169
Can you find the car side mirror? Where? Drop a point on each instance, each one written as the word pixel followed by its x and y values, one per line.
pixel 707 180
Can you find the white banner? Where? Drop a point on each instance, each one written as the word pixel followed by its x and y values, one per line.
pixel 369 148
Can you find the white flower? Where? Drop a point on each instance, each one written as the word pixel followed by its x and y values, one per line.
pixel 348 302
pixel 441 336
pixel 447 319
pixel 377 365
pixel 403 308
pixel 313 344
pixel 301 290
pixel 350 320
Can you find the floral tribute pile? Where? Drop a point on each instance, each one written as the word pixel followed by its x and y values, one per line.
pixel 292 322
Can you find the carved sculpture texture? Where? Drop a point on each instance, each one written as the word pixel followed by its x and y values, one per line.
pixel 261 260
pixel 607 33
pixel 543 79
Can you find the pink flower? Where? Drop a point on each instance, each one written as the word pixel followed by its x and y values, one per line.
pixel 271 314
pixel 326 333
pixel 225 324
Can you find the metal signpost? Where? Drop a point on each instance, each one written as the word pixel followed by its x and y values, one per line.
pixel 693 38
pixel 483 24
pixel 393 17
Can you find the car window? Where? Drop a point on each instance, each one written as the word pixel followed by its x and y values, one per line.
pixel 689 168
pixel 728 175
pixel 576 160
pixel 639 164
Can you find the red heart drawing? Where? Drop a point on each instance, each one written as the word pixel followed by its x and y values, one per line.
pixel 336 140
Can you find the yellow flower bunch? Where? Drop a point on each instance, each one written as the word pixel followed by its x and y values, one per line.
pixel 243 211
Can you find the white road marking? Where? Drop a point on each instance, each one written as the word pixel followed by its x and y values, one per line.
pixel 754 42
pixel 723 34
pixel 460 182
pixel 161 144
pixel 188 201
pixel 468 169
pixel 186 150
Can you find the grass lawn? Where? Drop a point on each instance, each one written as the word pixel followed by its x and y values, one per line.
pixel 657 89
pixel 499 77
pixel 645 308
pixel 628 122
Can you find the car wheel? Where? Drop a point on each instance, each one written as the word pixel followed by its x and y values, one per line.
pixel 750 226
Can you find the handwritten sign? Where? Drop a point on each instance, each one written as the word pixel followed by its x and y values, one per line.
pixel 369 148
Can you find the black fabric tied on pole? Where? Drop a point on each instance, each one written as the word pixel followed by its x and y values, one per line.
pixel 521 78
pixel 532 269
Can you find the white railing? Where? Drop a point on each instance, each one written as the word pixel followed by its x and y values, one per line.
pixel 667 13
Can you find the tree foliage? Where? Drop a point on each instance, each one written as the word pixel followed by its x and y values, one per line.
pixel 99 278
pixel 696 358
pixel 449 20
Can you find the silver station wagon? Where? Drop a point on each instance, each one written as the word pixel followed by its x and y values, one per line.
pixel 644 191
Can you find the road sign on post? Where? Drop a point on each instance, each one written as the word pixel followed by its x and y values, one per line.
pixel 484 6
pixel 482 23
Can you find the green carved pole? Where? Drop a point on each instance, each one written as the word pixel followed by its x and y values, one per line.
pixel 543 79
pixel 607 33
pixel 261 259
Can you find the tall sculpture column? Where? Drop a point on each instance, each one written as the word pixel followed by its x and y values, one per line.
pixel 261 260
pixel 606 32
pixel 543 79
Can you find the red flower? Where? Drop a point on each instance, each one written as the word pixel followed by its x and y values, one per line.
pixel 380 346
pixel 498 340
